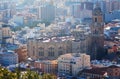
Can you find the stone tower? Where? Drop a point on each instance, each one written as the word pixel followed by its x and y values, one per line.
pixel 97 36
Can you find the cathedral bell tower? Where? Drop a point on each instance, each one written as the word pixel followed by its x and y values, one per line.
pixel 97 34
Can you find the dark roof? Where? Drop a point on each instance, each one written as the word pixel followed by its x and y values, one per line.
pixel 5 25
pixel 100 71
pixel 113 66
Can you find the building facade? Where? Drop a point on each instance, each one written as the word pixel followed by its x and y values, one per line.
pixel 8 57
pixel 47 66
pixel 22 53
pixel 71 64
pixel 80 44
pixel 38 49
pixel 51 49
pixel 97 36
pixel 46 12
pixel 5 33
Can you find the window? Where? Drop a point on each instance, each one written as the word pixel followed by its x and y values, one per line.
pixel 96 32
pixel 51 51
pixel 116 74
pixel 60 52
pixel 33 51
pixel 78 49
pixel 95 19
pixel 60 47
pixel 41 51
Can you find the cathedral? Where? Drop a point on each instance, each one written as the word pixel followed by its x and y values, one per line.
pixel 97 34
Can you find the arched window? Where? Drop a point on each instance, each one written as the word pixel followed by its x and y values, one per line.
pixel 78 48
pixel 33 50
pixel 41 51
pixel 51 51
pixel 60 50
pixel 95 20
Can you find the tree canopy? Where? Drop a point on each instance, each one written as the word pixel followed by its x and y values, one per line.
pixel 28 74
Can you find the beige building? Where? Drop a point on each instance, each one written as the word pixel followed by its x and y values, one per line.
pixel 81 35
pixel 48 49
pixel 52 48
pixel 47 66
pixel 56 46
pixel 82 38
pixel 22 53
pixel 71 64
pixel 6 31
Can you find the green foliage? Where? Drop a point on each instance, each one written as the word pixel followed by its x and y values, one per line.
pixel 5 74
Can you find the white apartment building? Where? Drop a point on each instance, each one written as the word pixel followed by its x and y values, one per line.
pixel 71 64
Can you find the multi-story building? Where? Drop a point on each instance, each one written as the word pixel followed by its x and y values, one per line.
pixel 81 10
pixel 71 64
pixel 23 18
pixel 78 43
pixel 75 10
pixel 47 49
pixel 22 53
pixel 46 12
pixel 5 33
pixel 8 57
pixel 81 35
pixel 113 5
pixel 47 66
